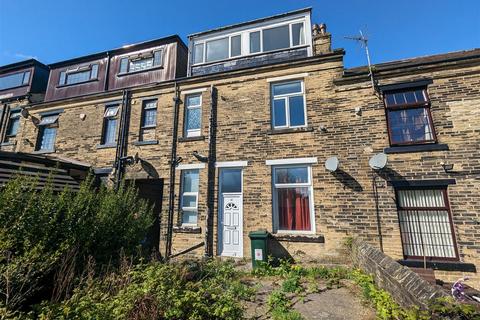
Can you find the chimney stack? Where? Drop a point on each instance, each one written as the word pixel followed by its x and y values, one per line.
pixel 322 40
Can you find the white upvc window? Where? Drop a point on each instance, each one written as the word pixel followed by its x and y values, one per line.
pixel 193 115
pixel 265 38
pixel 288 104
pixel 189 196
pixel 293 207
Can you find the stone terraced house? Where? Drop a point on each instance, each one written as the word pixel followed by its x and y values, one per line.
pixel 230 135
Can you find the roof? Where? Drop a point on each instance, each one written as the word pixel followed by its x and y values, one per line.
pixel 281 15
pixel 121 50
pixel 455 56
pixel 47 160
pixel 21 65
pixel 60 172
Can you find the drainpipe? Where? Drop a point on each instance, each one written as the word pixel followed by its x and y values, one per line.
pixel 212 157
pixel 377 211
pixel 3 123
pixel 173 164
pixel 107 73
pixel 121 151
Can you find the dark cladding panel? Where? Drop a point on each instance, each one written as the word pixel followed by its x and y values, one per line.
pixel 249 62
pixel 56 91
pixel 156 73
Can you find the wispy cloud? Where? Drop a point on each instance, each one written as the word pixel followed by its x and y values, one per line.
pixel 18 55
pixel 24 56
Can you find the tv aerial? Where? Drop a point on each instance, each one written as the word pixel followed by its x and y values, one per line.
pixel 378 161
pixel 363 40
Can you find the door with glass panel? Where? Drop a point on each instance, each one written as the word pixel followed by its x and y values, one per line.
pixel 230 217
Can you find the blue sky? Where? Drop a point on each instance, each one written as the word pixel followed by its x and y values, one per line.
pixel 56 30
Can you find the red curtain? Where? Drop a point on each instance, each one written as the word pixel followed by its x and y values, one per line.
pixel 294 209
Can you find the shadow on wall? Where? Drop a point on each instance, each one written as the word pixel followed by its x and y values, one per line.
pixel 278 251
pixel 347 180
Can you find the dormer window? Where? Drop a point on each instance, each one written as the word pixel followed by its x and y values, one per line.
pixel 14 80
pixel 78 74
pixel 265 38
pixel 141 62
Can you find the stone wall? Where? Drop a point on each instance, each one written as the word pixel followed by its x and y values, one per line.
pixel 344 204
pixel 407 288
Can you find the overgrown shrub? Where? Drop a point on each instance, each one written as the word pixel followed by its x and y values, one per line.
pixel 46 236
pixel 189 291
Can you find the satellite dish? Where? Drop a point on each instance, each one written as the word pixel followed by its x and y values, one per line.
pixel 378 161
pixel 332 164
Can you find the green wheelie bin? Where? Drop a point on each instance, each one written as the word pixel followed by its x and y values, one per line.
pixel 259 246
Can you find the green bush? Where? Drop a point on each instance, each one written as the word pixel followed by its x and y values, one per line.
pixel 190 291
pixel 46 237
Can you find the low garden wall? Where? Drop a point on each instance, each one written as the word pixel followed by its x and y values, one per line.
pixel 406 287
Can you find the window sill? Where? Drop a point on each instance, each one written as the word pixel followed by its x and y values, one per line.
pixel 74 84
pixel 139 71
pixel 299 238
pixel 43 151
pixel 106 146
pixel 188 139
pixel 145 143
pixel 290 130
pixel 417 148
pixel 441 265
pixel 187 229
pixel 4 144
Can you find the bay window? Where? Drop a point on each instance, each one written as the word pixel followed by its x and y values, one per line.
pixel 292 199
pixel 408 117
pixel 288 105
pixel 189 197
pixel 425 224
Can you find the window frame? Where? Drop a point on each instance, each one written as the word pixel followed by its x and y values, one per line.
pixel 64 74
pixel 144 109
pixel 409 106
pixel 189 133
pixel 245 40
pixel 141 56
pixel 25 79
pixel 189 193
pixel 286 97
pixel 41 131
pixel 105 120
pixel 446 208
pixel 275 186
pixel 13 116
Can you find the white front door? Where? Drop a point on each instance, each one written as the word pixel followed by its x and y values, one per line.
pixel 230 218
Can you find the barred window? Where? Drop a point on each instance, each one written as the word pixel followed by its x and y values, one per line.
pixel 425 224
